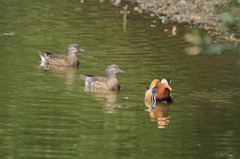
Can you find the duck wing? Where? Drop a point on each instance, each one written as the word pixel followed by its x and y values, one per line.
pixel 48 55
pixel 91 78
pixel 52 58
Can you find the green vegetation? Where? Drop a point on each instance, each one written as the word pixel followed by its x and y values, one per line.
pixel 203 43
pixel 229 22
pixel 235 2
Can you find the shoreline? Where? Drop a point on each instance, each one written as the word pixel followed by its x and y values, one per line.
pixel 212 16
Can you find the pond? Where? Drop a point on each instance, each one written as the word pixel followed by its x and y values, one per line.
pixel 46 112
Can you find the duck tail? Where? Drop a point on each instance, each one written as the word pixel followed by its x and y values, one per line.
pixel 87 78
pixel 39 52
pixel 82 77
pixel 42 55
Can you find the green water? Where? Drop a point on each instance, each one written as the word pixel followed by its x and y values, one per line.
pixel 48 113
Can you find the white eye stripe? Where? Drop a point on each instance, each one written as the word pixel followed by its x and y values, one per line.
pixel 113 69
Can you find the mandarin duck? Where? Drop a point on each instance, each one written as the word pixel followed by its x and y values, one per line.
pixel 159 91
pixel 62 60
pixel 108 82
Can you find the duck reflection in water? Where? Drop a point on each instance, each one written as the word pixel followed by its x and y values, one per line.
pixel 70 73
pixel 158 112
pixel 109 97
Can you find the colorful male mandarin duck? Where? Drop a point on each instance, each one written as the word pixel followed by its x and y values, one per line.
pixel 62 60
pixel 159 91
pixel 108 82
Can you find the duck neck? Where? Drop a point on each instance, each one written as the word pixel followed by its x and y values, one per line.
pixel 162 91
pixel 111 75
pixel 71 53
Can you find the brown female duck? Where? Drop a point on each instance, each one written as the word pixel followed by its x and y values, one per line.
pixel 108 82
pixel 62 60
pixel 159 91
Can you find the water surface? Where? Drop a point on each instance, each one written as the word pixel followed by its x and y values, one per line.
pixel 46 112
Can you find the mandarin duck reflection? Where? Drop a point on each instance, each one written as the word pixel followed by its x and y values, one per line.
pixel 108 82
pixel 159 91
pixel 62 60
pixel 158 112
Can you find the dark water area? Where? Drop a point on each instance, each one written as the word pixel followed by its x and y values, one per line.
pixel 46 112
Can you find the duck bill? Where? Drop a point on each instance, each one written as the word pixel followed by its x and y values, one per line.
pixel 81 50
pixel 121 71
pixel 169 87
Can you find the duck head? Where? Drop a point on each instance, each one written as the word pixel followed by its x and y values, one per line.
pixel 72 48
pixel 167 83
pixel 112 70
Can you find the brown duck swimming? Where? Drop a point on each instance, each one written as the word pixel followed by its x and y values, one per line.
pixel 63 60
pixel 108 82
pixel 159 91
